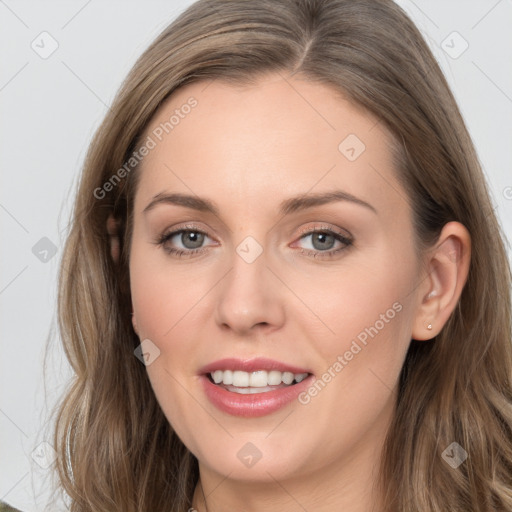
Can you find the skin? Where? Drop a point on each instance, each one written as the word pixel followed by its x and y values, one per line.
pixel 246 149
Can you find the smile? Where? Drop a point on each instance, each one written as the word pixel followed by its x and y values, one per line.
pixel 260 381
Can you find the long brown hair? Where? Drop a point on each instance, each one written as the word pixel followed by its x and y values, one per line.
pixel 116 449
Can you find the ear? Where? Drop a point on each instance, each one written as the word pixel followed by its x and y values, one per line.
pixel 113 233
pixel 134 323
pixel 447 266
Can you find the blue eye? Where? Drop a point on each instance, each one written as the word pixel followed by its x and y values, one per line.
pixel 191 240
pixel 323 242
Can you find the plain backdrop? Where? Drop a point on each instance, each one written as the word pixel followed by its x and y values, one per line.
pixel 50 108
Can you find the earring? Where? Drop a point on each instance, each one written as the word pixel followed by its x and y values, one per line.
pixel 429 327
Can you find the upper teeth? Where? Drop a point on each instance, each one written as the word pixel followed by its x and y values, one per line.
pixel 260 378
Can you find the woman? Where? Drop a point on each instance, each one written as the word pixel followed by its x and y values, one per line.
pixel 284 286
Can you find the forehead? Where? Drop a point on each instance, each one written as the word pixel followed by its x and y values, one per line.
pixel 279 136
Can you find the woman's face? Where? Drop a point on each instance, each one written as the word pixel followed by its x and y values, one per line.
pixel 305 257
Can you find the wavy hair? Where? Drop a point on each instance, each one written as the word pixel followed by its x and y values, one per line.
pixel 116 449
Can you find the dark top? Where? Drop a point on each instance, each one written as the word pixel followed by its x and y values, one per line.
pixel 7 508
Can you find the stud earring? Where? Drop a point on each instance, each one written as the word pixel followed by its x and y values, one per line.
pixel 429 327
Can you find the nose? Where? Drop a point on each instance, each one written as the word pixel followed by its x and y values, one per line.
pixel 250 297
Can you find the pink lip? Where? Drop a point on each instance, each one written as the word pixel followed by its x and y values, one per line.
pixel 250 365
pixel 255 405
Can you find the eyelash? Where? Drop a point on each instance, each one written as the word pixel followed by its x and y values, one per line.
pixel 184 253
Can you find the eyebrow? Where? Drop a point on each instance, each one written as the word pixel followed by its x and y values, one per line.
pixel 288 206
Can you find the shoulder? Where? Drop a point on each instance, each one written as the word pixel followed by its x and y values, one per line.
pixel 7 508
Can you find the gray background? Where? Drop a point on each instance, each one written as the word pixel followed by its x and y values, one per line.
pixel 50 108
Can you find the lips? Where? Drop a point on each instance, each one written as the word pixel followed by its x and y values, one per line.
pixel 259 401
pixel 255 404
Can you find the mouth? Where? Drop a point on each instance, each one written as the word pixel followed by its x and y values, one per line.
pixel 259 381
pixel 254 394
pixel 253 387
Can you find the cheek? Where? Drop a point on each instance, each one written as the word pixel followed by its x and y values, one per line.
pixel 166 304
pixel 369 310
pixel 363 300
pixel 171 305
pixel 369 307
pixel 162 296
